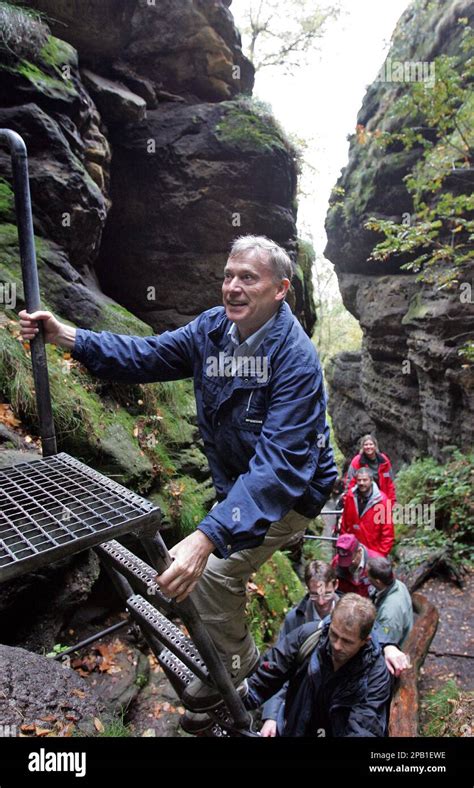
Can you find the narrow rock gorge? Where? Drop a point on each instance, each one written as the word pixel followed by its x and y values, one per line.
pixel 408 384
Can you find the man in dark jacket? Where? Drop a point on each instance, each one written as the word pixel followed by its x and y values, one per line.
pixel 319 602
pixel 341 689
pixel 261 412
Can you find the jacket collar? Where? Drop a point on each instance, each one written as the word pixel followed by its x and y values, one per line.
pixel 386 591
pixel 273 339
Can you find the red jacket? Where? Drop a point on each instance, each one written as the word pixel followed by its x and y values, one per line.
pixel 374 528
pixel 384 479
pixel 348 584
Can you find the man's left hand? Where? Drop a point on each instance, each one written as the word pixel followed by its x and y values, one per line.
pixel 190 559
pixel 396 660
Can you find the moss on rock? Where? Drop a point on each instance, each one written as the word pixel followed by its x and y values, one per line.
pixel 58 53
pixel 7 202
pixel 274 589
pixel 116 318
pixel 249 126
pixel 417 310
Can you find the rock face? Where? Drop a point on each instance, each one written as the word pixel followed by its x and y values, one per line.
pixel 189 47
pixel 155 83
pixel 34 607
pixel 408 384
pixel 38 694
pixel 202 174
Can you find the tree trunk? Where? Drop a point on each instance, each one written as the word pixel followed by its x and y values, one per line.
pixel 405 702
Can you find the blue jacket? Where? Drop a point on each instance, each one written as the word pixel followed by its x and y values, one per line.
pixel 265 436
pixel 353 701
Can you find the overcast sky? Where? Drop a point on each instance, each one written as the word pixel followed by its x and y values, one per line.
pixel 320 102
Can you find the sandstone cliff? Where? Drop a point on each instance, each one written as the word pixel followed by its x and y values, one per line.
pixel 408 384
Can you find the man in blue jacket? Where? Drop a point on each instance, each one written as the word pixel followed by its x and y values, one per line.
pixel 261 413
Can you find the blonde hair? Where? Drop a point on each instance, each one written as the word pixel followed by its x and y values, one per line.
pixel 368 438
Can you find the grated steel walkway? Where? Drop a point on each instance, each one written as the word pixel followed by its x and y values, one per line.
pixel 56 506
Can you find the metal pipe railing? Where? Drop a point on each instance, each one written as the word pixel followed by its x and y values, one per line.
pixel 29 270
pixel 161 560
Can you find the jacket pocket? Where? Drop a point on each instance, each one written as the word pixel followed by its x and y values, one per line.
pixel 249 414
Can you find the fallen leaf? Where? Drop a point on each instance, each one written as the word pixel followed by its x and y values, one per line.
pixel 98 725
pixel 42 731
pixel 7 416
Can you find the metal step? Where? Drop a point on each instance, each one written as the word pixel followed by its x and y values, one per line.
pixel 140 575
pixel 172 664
pixel 179 675
pixel 169 634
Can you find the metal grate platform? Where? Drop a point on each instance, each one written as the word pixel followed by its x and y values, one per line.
pixel 56 506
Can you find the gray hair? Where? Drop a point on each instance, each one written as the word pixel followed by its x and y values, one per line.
pixel 380 569
pixel 363 472
pixel 267 251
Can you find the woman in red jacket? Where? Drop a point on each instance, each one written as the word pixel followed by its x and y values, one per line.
pixel 378 463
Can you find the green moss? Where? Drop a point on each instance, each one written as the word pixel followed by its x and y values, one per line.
pixel 304 268
pixel 246 126
pixel 10 270
pixel 116 318
pixel 275 589
pixel 52 86
pixel 417 310
pixel 9 257
pixel 58 53
pixel 7 202
pixel 183 503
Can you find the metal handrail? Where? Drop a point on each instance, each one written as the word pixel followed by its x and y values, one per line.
pixel 29 270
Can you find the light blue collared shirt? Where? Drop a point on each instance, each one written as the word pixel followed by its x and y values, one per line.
pixel 253 342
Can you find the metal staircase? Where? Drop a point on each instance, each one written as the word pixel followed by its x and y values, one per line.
pixel 56 506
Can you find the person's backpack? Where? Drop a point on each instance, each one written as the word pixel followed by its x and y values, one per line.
pixel 307 647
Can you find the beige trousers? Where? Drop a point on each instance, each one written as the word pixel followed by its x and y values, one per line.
pixel 220 596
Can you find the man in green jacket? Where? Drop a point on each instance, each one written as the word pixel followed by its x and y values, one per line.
pixel 392 601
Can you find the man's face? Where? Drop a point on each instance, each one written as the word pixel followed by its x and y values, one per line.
pixel 369 448
pixel 364 482
pixel 375 582
pixel 249 292
pixel 322 596
pixel 345 640
pixel 356 560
